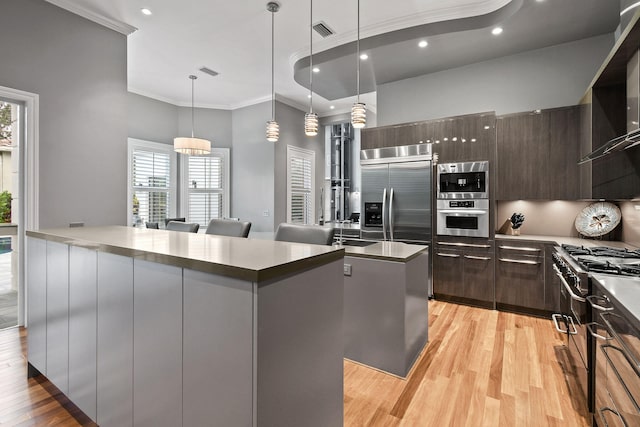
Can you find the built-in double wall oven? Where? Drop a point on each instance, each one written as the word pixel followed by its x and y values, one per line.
pixel 462 208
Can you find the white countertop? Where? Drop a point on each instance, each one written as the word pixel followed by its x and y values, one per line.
pixel 566 240
pixel 387 251
pixel 626 290
pixel 247 259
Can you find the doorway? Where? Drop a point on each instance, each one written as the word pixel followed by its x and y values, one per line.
pixel 10 130
pixel 19 196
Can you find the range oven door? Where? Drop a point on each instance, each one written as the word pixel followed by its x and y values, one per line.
pixel 572 321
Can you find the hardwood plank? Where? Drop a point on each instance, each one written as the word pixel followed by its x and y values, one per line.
pixel 480 368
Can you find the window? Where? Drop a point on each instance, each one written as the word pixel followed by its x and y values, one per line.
pixel 205 186
pixel 300 185
pixel 152 182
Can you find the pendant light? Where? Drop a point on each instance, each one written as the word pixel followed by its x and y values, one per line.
pixel 192 146
pixel 311 118
pixel 358 110
pixel 273 129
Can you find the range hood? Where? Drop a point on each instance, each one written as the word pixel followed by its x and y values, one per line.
pixel 632 137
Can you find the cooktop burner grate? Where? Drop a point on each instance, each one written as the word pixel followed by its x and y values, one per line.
pixel 601 251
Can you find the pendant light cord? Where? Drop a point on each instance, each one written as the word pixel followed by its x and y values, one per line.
pixel 311 58
pixel 273 93
pixel 193 78
pixel 358 58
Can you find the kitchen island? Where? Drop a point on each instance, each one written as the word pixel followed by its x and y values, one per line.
pixel 162 328
pixel 385 305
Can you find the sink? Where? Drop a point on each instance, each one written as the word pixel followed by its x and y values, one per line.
pixel 361 243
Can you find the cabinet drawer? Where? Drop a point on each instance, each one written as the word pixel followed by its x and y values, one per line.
pixel 511 249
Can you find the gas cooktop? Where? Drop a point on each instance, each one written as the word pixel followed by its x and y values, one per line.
pixel 604 259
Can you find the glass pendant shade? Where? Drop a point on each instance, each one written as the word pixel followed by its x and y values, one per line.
pixel 273 131
pixel 192 146
pixel 358 115
pixel 311 124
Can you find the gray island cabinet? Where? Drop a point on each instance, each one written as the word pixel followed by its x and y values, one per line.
pixel 385 305
pixel 157 328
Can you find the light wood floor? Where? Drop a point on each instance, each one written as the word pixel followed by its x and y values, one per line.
pixel 480 368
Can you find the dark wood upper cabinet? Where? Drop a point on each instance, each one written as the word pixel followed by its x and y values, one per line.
pixel 538 155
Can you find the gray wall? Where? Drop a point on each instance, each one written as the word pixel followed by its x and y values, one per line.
pixel 543 78
pixel 214 125
pixel 79 69
pixel 291 123
pixel 152 120
pixel 252 167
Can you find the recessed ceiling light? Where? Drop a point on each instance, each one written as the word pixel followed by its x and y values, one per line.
pixel 364 56
pixel 423 43
pixel 332 107
pixel 496 31
pixel 146 11
pixel 308 96
pixel 316 69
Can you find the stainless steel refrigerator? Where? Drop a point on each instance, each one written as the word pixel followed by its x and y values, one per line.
pixel 396 194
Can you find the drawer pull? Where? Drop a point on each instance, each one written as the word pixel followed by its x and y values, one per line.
pixel 596 335
pixel 613 411
pixel 518 261
pixel 448 255
pixel 481 258
pixel 466 245
pixel 595 301
pixel 516 248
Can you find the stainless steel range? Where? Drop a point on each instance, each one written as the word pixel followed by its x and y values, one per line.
pixel 573 265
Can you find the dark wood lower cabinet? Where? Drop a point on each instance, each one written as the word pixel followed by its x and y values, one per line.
pixel 464 273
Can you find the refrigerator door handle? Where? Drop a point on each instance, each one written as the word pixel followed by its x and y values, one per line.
pixel 384 216
pixel 391 218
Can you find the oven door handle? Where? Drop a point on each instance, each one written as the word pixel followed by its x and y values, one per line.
pixel 596 335
pixel 566 319
pixel 567 287
pixel 592 298
pixel 604 421
pixel 462 212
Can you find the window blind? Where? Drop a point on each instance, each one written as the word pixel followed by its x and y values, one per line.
pixel 151 185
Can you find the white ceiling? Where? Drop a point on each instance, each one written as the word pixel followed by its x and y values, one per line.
pixel 233 38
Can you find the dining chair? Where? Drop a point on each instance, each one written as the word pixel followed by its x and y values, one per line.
pixel 228 227
pixel 153 225
pixel 167 220
pixel 305 234
pixel 189 227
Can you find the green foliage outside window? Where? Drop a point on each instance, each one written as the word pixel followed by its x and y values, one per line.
pixel 5 206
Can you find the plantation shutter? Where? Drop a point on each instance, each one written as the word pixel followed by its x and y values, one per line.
pixel 206 186
pixel 151 185
pixel 300 180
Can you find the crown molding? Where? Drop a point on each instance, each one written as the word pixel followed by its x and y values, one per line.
pixel 177 103
pixel 105 21
pixel 402 23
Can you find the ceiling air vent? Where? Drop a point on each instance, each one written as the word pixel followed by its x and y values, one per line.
pixel 209 71
pixel 323 29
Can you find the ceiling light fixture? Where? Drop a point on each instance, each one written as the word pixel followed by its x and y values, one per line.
pixel 273 129
pixel 316 69
pixel 423 44
pixel 364 56
pixel 358 110
pixel 146 11
pixel 192 146
pixel 311 118
pixel 496 31
pixel 636 4
pixel 332 107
